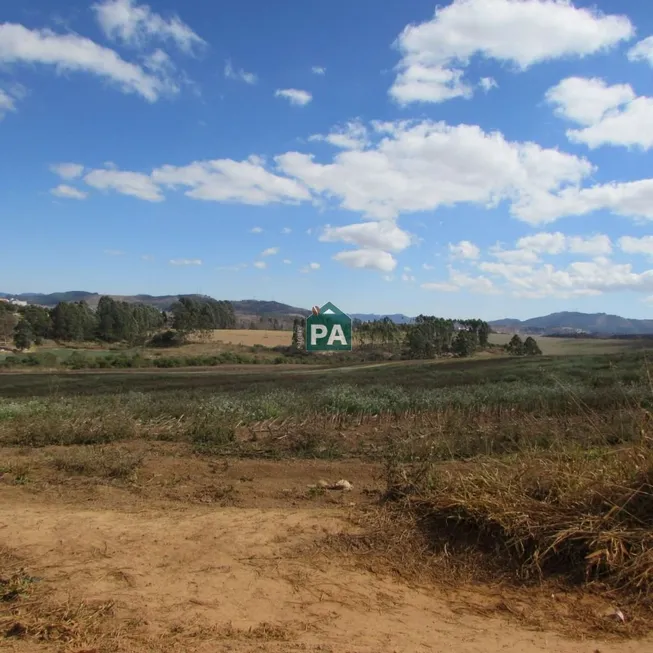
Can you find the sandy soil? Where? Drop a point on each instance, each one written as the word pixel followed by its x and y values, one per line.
pixel 190 568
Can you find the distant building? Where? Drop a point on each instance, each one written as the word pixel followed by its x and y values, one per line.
pixel 12 301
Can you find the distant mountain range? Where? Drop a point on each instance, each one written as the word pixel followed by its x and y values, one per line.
pixel 569 323
pixel 565 323
pixel 162 302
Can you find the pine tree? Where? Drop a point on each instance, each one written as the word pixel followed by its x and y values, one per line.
pixel 23 335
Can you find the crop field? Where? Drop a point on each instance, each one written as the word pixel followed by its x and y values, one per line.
pixel 494 504
pixel 249 338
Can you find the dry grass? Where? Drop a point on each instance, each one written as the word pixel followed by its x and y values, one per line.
pixel 28 610
pixel 249 338
pixel 584 518
pixel 104 462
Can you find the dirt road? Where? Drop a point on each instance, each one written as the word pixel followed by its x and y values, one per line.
pixel 200 576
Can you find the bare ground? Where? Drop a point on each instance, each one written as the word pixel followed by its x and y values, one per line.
pixel 199 555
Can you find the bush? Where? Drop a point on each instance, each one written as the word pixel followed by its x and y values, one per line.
pixel 169 338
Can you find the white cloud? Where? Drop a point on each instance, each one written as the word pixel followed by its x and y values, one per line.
pixel 134 25
pixel 231 73
pixel 632 199
pixel 225 180
pixel 185 261
pixel 71 52
pixel 114 252
pixel 351 136
pixel 586 278
pixel 67 170
pixel 408 278
pixel 287 261
pixel 632 245
pixel 464 249
pixel 610 115
pixel 427 266
pixel 544 243
pixel 9 97
pixel 270 251
pixel 586 101
pixel 515 255
pixel 422 166
pixel 414 166
pixel 318 70
pixel 261 265
pixel 68 192
pixel 598 245
pixel 369 259
pixel 435 53
pixel 461 281
pixel 286 230
pixel 384 235
pixel 256 230
pixel 488 83
pixel 295 96
pixel 642 51
pixel 440 286
pixel 133 184
pixel 557 243
pixel 310 267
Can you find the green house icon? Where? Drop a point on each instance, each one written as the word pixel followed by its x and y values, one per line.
pixel 329 330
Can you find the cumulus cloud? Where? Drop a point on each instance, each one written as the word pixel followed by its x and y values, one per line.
pixel 632 245
pixel 523 33
pixel 351 136
pixel 384 235
pixel 256 230
pixel 295 96
pixel 69 192
pixel 488 83
pixel 136 25
pixel 318 70
pixel 310 267
pixel 425 165
pixel 580 278
pixel 411 166
pixel 240 75
pixel 74 53
pixel 133 184
pixel 225 180
pixel 631 199
pixel 270 251
pixel 642 51
pixel 460 281
pixel 464 249
pixel 67 171
pixel 610 115
pixel 369 259
pixel 261 265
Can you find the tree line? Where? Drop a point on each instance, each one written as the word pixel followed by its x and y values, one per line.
pixel 426 337
pixel 113 321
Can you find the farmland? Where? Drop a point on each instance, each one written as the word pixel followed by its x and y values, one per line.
pixel 193 510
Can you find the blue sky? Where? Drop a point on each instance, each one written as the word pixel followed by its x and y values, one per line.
pixel 483 158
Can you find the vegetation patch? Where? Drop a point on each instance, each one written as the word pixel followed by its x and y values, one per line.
pixel 105 462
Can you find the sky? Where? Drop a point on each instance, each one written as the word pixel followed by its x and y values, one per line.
pixel 478 158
